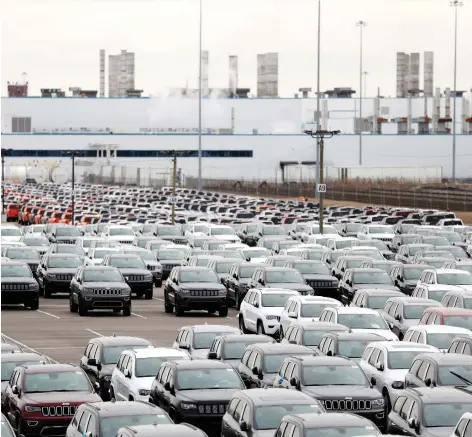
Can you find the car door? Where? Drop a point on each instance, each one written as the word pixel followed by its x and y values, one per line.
pixel 368 369
pixel 229 426
pixel 416 379
pixel 166 398
pixel 92 371
pixel 120 379
pixel 284 319
pixel 252 311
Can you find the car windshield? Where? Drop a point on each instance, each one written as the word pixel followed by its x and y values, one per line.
pixel 198 276
pixel 36 241
pixel 11 232
pixel 353 227
pixel 205 379
pixel 414 311
pixel 372 278
pixel 442 340
pixel 256 253
pixel 101 253
pixel 222 231
pixel 465 267
pixel 8 367
pixel 109 426
pixel 144 255
pixel 284 277
pixel 14 253
pixel 270 416
pixel 447 377
pixel 354 263
pixel 273 230
pixel 168 231
pixel 222 267
pixel 333 375
pixel 204 340
pixel 232 254
pixel 377 302
pixel 385 266
pixel 459 321
pixel 246 272
pixel 313 309
pixel 125 231
pixel 65 262
pixel 444 415
pixel 362 321
pixel 457 252
pixel 147 367
pixel 381 230
pixel 313 337
pixel 171 254
pixel 68 231
pixel 69 248
pixel 413 273
pixel 44 382
pixel 102 275
pixel 326 230
pixel 352 431
pixel 353 348
pixel 273 362
pixel 315 255
pixel 132 262
pixel 234 350
pixel 454 237
pixel 313 269
pixel 373 254
pixel 343 244
pixel 401 359
pixel 111 354
pixel 16 271
pixel 455 278
pixel 275 299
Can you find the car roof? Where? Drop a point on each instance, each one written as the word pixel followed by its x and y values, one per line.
pixel 276 290
pixel 21 356
pixel 200 364
pixel 241 338
pixel 439 395
pixel 17 263
pixel 449 358
pixel 211 328
pixel 454 271
pixel 348 335
pixel 276 396
pixel 158 352
pixel 407 300
pixel 229 260
pixel 439 329
pixel 50 368
pixel 366 270
pixel 315 299
pixel 313 420
pixel 380 292
pixel 452 311
pixel 321 326
pixel 122 341
pixel 126 408
pixel 354 310
pixel 166 429
pixel 192 268
pixel 403 346
pixel 278 348
pixel 63 255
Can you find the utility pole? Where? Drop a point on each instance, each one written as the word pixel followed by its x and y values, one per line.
pixel 318 99
pixel 174 182
pixel 361 24
pixel 4 152
pixel 200 29
pixel 321 187
pixel 73 154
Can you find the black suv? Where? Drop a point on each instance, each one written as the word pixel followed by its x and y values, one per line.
pixel 280 277
pixel 439 369
pixel 134 270
pixel 98 288
pixel 406 276
pixel 230 348
pixel 55 272
pixel 197 391
pixel 101 356
pixel 237 281
pixel 260 411
pixel 101 419
pixel 428 412
pixel 25 255
pixel 195 288
pixel 337 382
pixel 19 285
pixel 261 362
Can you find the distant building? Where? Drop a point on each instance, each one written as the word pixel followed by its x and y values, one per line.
pixel 121 74
pixel 268 75
pixel 408 74
pixel 17 90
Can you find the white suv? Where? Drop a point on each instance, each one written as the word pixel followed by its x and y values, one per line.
pixel 439 336
pixel 136 369
pixel 304 309
pixel 261 310
pixel 449 279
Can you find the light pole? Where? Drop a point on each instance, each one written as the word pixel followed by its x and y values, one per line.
pixel 4 152
pixel 321 135
pixel 318 98
pixel 456 4
pixel 200 26
pixel 365 73
pixel 361 24
pixel 73 154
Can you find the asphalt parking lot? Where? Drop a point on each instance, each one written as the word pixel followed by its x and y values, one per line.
pixel 61 335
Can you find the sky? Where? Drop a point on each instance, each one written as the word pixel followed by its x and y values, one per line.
pixel 57 42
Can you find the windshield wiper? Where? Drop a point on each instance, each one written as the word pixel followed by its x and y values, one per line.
pixel 467 381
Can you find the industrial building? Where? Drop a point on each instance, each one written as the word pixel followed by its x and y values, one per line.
pixel 408 74
pixel 268 75
pixel 121 74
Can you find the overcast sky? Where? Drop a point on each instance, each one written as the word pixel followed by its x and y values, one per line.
pixel 57 42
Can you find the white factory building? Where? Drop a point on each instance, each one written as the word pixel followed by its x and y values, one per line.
pixel 242 138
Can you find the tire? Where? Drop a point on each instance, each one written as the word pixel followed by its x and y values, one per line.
pixel 158 283
pixel 148 295
pixel 127 311
pixel 237 303
pixel 168 308
pixel 34 305
pixel 111 393
pixel 281 333
pixel 82 310
pixel 104 394
pixel 242 328
pixel 47 292
pixel 179 312
pixel 260 328
pixel 174 416
pixel 211 312
pixel 223 312
pixel 73 307
pixel 116 310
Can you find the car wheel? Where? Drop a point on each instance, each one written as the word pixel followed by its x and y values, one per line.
pixel 237 304
pixel 111 393
pixel 34 305
pixel 179 312
pixel 159 284
pixel 211 312
pixel 47 292
pixel 260 328
pixel 242 328
pixel 223 312
pixel 127 311
pixel 281 333
pixel 73 307
pixel 148 294
pixel 82 310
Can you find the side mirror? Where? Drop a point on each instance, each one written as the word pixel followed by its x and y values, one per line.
pixel 92 362
pixel 235 276
pixel 343 269
pixel 293 382
pixel 244 427
pixel 373 381
pixel 212 356
pixel 329 353
pixel 96 387
pixel 412 423
pixel 428 382
pixel 380 367
pixel 127 373
pixel 167 386
pixel 255 371
pixel 184 346
pixel 398 317
pixel 174 280
pixel 15 390
pixel 256 304
pixel 399 278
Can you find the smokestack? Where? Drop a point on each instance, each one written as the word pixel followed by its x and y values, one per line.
pixel 428 74
pixel 402 68
pixel 205 62
pixel 102 73
pixel 233 75
pixel 414 72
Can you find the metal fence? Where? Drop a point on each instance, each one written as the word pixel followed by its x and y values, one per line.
pixel 129 182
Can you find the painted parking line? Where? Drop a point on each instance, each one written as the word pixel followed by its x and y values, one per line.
pixel 138 315
pixel 95 332
pixel 25 346
pixel 47 314
pixel 158 298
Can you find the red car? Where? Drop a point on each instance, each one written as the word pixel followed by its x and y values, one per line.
pixel 458 317
pixel 12 212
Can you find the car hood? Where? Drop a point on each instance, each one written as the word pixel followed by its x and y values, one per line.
pixel 202 286
pixel 313 277
pixel 126 271
pixel 258 260
pixel 386 333
pixel 375 286
pixel 443 431
pixel 60 397
pixel 107 369
pixel 16 280
pixel 176 262
pixel 297 286
pixel 61 270
pixel 105 285
pixel 199 354
pixel 226 237
pixel 213 395
pixel 344 391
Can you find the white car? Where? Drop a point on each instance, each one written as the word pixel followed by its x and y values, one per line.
pixel 11 233
pixel 136 369
pixel 449 279
pixel 220 232
pixel 388 363
pixel 359 320
pixel 95 256
pixel 383 233
pixel 314 229
pixel 256 254
pixel 122 234
pixel 439 336
pixel 304 309
pixel 261 310
pixel 85 242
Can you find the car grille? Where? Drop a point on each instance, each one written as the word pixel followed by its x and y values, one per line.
pixel 15 286
pixel 347 405
pixel 107 292
pixel 66 241
pixel 135 278
pixel 169 266
pixel 204 293
pixel 179 241
pixel 67 277
pixel 217 409
pixel 321 284
pixel 387 239
pixel 125 242
pixel 59 411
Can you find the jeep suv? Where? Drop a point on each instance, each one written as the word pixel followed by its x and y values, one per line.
pixel 19 285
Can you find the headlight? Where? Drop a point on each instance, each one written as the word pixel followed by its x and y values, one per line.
pixel 144 392
pixel 378 403
pixel 88 290
pixel 107 378
pixel 398 385
pixel 30 409
pixel 127 278
pixel 33 285
pixel 51 275
pixel 222 292
pixel 148 276
pixel 159 267
pixel 186 406
pixel 184 291
pixel 272 317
